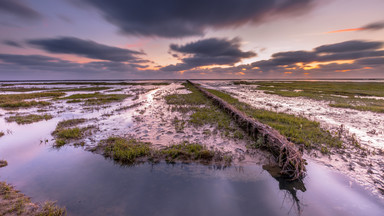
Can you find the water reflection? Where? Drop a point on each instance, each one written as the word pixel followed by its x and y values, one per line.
pixel 88 184
pixel 289 187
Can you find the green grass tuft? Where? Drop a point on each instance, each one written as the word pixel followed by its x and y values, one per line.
pixel 95 98
pixel 28 119
pixel 14 101
pixel 125 151
pixel 66 132
pixel 187 151
pixel 70 122
pixel 130 151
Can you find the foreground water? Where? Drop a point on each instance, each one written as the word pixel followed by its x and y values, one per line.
pixel 87 184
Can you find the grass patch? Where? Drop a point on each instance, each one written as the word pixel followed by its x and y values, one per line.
pixel 298 130
pixel 28 119
pixel 179 124
pixel 84 89
pixel 70 123
pixel 203 112
pixel 23 89
pixel 374 107
pixel 125 151
pixel 24 104
pixel 12 202
pixel 211 115
pixel 129 107
pixel 130 151
pixel 186 151
pixel 69 133
pixel 65 131
pixel 65 135
pixel 51 209
pixel 340 94
pixel 194 98
pixel 14 101
pixel 95 98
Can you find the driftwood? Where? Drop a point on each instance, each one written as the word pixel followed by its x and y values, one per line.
pixel 288 156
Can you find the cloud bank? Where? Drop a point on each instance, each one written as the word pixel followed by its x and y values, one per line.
pixel 175 18
pixel 211 51
pixel 19 9
pixel 86 48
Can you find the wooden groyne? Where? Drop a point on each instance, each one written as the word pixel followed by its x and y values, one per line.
pixel 287 155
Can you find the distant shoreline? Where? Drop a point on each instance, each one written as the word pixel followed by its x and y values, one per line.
pixel 112 80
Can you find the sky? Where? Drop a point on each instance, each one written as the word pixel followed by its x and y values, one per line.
pixel 191 39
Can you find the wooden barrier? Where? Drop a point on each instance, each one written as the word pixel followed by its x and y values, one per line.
pixel 287 155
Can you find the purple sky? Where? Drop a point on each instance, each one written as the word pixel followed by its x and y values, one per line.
pixel 156 39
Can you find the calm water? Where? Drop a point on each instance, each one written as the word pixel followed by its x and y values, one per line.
pixel 88 184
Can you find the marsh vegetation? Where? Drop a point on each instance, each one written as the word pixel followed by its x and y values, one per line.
pixel 95 98
pixel 15 101
pixel 12 202
pixel 66 132
pixel 297 129
pixel 128 151
pixel 28 119
pixel 201 112
pixel 153 126
pixel 364 96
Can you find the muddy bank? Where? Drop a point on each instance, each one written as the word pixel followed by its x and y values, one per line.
pixel 364 127
pixel 154 122
pixel 13 202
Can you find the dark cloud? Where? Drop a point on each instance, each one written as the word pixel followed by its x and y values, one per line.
pixel 40 62
pixel 349 46
pixel 374 26
pixel 86 48
pixel 348 50
pixel 19 9
pixel 12 43
pixel 212 51
pixel 40 67
pixel 287 58
pixel 371 61
pixel 175 18
pixel 350 55
pixel 35 60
